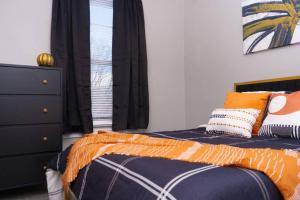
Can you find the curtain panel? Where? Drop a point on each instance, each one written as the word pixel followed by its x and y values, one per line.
pixel 129 60
pixel 70 46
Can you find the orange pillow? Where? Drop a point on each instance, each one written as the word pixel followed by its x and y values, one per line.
pixel 249 100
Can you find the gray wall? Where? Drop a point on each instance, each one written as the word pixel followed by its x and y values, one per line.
pixel 214 58
pixel 165 32
pixel 25 32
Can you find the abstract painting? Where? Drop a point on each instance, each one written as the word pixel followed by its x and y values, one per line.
pixel 269 24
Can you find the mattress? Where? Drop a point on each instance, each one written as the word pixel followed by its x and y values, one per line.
pixel 118 177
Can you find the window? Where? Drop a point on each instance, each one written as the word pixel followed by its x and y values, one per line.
pixel 101 19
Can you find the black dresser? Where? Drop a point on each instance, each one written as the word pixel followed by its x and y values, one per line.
pixel 30 123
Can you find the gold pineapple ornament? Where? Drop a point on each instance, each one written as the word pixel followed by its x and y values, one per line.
pixel 45 59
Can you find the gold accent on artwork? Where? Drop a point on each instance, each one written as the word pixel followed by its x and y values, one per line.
pixel 290 78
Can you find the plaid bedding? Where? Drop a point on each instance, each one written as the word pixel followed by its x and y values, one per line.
pixel 116 177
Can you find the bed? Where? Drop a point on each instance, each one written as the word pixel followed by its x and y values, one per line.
pixel 119 177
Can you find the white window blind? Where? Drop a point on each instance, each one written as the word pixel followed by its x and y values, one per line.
pixel 101 19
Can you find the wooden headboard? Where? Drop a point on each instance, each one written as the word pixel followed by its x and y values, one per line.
pixel 291 84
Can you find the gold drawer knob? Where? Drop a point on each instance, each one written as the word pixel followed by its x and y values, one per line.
pixel 45 82
pixel 45 139
pixel 45 110
pixel 44 167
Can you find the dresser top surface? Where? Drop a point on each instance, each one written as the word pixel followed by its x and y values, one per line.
pixel 28 66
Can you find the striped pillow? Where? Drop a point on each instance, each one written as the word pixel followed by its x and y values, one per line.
pixel 237 122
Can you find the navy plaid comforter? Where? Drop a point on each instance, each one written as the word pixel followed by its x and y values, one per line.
pixel 115 177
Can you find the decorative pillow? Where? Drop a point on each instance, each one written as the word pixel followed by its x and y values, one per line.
pixel 283 118
pixel 249 100
pixel 238 122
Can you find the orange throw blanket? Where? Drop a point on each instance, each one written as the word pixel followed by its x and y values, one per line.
pixel 281 166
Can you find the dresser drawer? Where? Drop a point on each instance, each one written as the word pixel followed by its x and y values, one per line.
pixel 30 139
pixel 23 109
pixel 16 80
pixel 23 170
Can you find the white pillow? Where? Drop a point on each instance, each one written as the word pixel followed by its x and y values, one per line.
pixel 237 122
pixel 202 126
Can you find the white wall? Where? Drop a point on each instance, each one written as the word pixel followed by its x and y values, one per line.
pixel 165 42
pixel 25 32
pixel 214 58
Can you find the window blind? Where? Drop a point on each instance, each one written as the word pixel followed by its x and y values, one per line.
pixel 101 19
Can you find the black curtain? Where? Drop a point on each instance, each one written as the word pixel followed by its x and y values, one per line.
pixel 129 59
pixel 70 46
